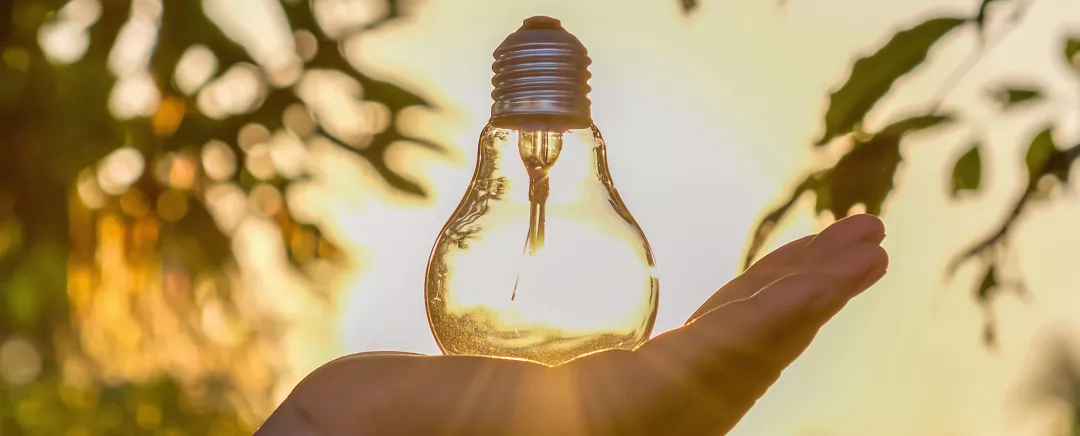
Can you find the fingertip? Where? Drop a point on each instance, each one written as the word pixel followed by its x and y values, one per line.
pixel 864 226
pixel 873 275
pixel 871 278
pixel 860 226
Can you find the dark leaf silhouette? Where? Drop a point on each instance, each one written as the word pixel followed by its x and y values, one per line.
pixel 688 6
pixel 1043 158
pixel 1038 154
pixel 864 175
pixel 1009 96
pixel 1058 379
pixel 988 285
pixel 967 172
pixel 1071 49
pixel 872 76
pixel 916 123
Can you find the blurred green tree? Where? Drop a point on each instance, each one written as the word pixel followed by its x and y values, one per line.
pixel 73 152
pixel 82 160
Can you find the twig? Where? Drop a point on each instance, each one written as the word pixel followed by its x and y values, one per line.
pixel 1064 157
pixel 974 58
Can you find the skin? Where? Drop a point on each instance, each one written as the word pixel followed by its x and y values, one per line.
pixel 699 379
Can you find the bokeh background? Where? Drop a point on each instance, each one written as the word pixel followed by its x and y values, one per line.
pixel 203 201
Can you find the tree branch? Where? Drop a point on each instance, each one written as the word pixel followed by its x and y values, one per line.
pixel 1060 161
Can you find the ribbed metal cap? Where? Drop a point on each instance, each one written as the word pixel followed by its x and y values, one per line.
pixel 541 78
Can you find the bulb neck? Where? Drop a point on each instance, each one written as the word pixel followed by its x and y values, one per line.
pixel 541 79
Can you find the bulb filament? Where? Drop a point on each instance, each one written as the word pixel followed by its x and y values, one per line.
pixel 539 150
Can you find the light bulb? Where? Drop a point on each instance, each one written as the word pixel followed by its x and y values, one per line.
pixel 541 260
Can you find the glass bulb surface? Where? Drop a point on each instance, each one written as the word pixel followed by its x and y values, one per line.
pixel 541 260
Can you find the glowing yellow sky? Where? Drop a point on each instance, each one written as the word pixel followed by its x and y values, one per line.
pixel 707 120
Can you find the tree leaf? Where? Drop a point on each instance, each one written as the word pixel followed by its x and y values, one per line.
pixel 967 173
pixel 987 288
pixel 688 6
pixel 1009 96
pixel 872 76
pixel 1072 48
pixel 912 124
pixel 864 175
pixel 1060 164
pixel 988 284
pixel 1038 154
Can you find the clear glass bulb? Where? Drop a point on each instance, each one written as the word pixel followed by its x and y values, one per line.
pixel 541 260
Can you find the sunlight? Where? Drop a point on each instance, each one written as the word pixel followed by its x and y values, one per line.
pixel 120 169
pixel 195 68
pixel 330 165
pixel 64 42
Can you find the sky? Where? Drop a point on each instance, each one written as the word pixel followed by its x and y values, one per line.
pixel 708 119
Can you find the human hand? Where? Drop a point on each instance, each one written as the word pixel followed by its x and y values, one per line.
pixel 695 380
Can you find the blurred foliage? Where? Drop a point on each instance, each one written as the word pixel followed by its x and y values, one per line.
pixel 1007 97
pixel 110 225
pixel 110 222
pixel 1058 379
pixel 864 175
pixel 873 76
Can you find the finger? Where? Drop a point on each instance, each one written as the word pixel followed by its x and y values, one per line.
pixel 811 252
pixel 717 367
pixel 855 228
pixel 761 273
pixel 844 262
pixel 783 255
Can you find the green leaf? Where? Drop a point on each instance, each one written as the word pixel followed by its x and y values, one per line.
pixel 872 76
pixel 987 288
pixel 912 124
pixel 1038 154
pixel 988 284
pixel 1060 166
pixel 1072 47
pixel 822 199
pixel 864 175
pixel 1009 96
pixel 393 96
pixel 967 173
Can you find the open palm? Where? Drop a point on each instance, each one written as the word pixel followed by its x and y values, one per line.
pixel 699 379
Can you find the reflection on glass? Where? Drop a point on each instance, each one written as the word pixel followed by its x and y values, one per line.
pixel 541 261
